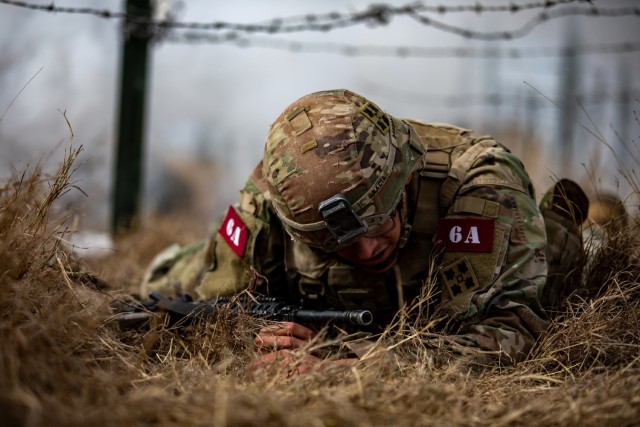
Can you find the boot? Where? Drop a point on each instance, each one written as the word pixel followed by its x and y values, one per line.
pixel 564 208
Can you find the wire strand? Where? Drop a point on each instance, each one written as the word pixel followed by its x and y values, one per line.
pixel 374 15
pixel 360 50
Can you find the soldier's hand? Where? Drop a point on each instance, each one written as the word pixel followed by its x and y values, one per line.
pixel 283 335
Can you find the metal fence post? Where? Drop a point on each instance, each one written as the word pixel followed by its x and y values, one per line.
pixel 133 85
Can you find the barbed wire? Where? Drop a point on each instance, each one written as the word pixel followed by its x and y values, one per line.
pixel 478 8
pixel 528 26
pixel 499 99
pixel 378 14
pixel 361 50
pixel 51 7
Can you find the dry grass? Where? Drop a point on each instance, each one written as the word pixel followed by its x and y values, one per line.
pixel 64 363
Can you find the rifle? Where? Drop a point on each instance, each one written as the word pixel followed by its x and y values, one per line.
pixel 184 310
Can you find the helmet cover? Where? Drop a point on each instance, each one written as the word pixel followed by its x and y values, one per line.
pixel 337 144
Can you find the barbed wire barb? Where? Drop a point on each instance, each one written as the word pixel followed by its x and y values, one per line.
pixel 400 51
pixel 528 26
pixel 374 15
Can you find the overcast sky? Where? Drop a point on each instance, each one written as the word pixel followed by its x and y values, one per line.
pixel 218 100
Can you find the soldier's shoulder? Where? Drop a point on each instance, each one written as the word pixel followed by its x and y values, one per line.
pixel 437 129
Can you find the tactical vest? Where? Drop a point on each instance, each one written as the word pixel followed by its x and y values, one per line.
pixel 320 280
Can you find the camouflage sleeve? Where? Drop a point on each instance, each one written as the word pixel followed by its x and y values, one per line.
pixel 244 249
pixel 250 256
pixel 496 293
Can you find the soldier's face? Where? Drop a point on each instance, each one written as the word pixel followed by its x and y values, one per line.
pixel 375 253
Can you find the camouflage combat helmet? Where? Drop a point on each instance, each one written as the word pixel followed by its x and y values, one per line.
pixel 336 166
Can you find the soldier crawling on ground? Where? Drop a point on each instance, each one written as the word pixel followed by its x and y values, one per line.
pixel 350 207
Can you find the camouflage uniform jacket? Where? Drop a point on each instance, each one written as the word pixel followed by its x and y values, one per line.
pixel 472 225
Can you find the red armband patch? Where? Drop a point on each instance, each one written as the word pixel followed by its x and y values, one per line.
pixel 466 234
pixel 234 232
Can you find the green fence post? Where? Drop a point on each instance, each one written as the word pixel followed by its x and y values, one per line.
pixel 133 84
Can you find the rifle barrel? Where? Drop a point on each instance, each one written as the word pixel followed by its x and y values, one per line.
pixel 354 317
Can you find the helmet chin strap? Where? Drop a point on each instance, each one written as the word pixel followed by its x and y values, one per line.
pixel 404 217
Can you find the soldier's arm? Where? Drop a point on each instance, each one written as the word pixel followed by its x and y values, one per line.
pixel 243 249
pixel 246 250
pixel 501 313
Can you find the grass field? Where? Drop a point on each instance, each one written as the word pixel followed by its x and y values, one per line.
pixel 64 363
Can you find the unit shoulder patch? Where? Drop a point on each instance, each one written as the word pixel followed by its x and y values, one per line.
pixel 464 273
pixel 466 234
pixel 458 278
pixel 234 231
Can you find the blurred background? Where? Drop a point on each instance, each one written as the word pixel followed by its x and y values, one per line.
pixel 558 84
